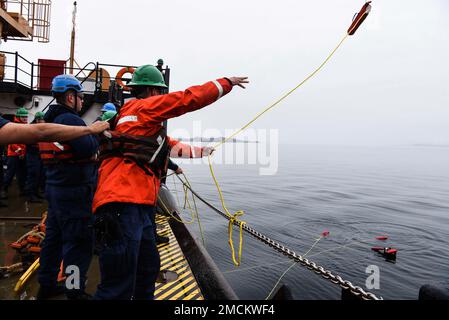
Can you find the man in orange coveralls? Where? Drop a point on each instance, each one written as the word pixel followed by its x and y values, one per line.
pixel 133 161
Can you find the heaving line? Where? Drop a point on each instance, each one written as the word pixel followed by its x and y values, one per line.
pixel 235 217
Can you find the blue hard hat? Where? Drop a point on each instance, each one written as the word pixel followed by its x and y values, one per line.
pixel 65 82
pixel 109 107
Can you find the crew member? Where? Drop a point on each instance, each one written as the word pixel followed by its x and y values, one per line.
pixel 160 65
pixel 108 107
pixel 129 181
pixel 34 167
pixel 69 190
pixel 2 195
pixel 178 170
pixel 24 133
pixel 16 163
pixel 174 167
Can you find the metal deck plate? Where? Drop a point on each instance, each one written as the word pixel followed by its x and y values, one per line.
pixel 172 259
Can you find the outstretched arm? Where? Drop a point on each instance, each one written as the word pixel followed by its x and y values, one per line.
pixel 43 132
pixel 182 150
pixel 172 105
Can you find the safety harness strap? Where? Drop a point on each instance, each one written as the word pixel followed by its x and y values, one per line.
pixel 148 152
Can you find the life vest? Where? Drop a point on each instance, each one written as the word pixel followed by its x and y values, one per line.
pixel 148 152
pixel 16 150
pixel 53 153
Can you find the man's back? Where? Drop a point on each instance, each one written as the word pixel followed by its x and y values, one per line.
pixel 79 170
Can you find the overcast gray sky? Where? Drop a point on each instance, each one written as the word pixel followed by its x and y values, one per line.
pixel 387 85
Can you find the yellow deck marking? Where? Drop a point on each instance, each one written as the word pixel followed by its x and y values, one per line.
pixel 184 292
pixel 169 285
pixel 169 253
pixel 175 289
pixel 165 266
pixel 172 259
pixel 192 295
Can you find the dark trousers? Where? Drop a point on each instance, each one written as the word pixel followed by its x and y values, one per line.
pixel 34 173
pixel 16 167
pixel 2 177
pixel 129 262
pixel 69 234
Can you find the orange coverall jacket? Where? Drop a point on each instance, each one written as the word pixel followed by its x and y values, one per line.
pixel 123 181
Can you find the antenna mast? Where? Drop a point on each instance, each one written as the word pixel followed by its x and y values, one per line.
pixel 72 44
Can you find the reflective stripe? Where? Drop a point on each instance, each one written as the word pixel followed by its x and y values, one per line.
pixel 220 89
pixel 127 119
pixel 161 144
pixel 195 151
pixel 59 146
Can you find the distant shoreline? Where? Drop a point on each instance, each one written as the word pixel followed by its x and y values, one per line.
pixel 431 145
pixel 220 139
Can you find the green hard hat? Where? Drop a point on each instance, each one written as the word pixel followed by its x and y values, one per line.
pixel 108 115
pixel 39 116
pixel 22 112
pixel 147 75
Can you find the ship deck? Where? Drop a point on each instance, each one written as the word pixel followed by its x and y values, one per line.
pixel 178 284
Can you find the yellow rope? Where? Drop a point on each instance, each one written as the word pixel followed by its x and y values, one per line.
pixel 196 208
pixel 194 212
pixel 291 267
pixel 165 207
pixel 176 191
pixel 234 217
pixel 260 114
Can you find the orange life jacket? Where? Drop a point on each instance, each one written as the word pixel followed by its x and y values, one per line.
pixel 16 150
pixel 53 153
pixel 151 151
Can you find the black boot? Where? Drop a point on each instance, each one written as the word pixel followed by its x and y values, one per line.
pixel 34 199
pixel 46 293
pixel 39 196
pixel 161 239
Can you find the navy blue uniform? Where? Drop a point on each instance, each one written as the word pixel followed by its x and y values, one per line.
pixel 69 191
pixel 16 167
pixel 129 260
pixel 34 170
pixel 3 122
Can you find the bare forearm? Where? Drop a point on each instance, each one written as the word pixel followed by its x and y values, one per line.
pixel 26 134
pixel 55 132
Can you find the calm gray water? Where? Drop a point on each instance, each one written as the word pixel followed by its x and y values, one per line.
pixel 357 193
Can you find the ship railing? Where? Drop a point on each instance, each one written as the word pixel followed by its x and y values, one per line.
pixel 96 77
pixel 15 69
pixel 34 15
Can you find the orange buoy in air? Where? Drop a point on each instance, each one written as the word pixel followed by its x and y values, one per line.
pixel 361 16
